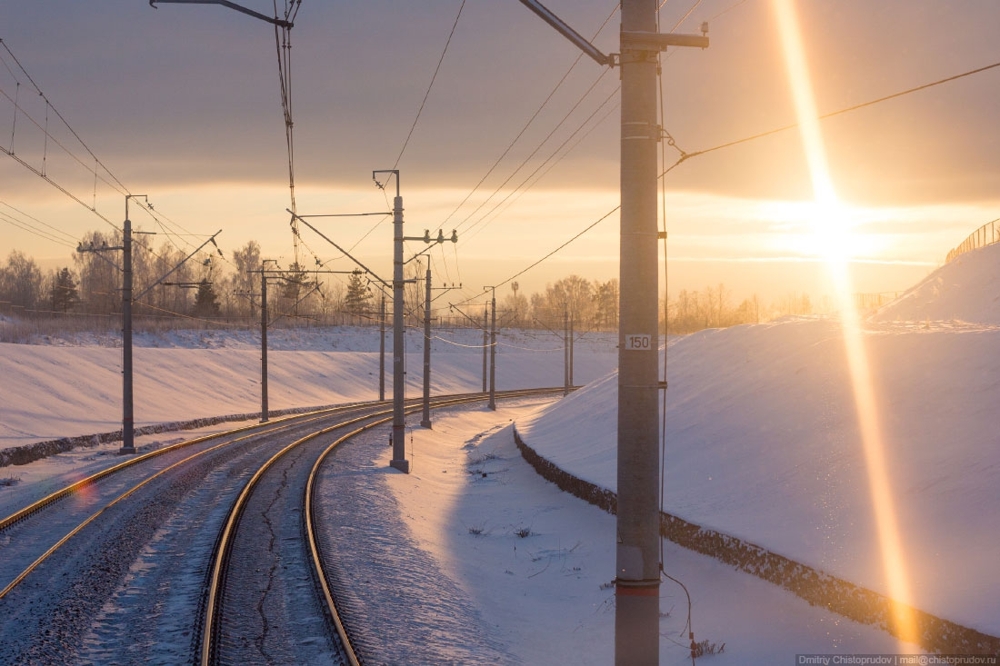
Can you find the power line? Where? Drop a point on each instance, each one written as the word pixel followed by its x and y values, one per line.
pixel 727 9
pixel 49 136
pixel 56 185
pixel 523 183
pixel 283 47
pixel 66 238
pixel 686 156
pixel 25 226
pixel 550 254
pixel 530 121
pixel 525 161
pixel 431 85
pixel 59 115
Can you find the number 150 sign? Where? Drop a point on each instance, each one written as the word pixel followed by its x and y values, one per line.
pixel 638 342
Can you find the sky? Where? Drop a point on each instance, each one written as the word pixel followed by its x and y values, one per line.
pixel 182 103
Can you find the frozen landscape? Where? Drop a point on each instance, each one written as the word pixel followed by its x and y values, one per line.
pixel 761 445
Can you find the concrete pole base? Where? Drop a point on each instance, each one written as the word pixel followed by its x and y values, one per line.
pixel 126 450
pixel 402 465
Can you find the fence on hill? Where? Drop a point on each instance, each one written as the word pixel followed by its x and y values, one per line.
pixel 981 237
pixel 872 302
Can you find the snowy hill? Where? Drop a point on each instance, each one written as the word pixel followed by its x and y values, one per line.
pixel 71 386
pixel 967 289
pixel 762 441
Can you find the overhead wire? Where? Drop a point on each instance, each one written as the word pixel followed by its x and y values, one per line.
pixel 9 151
pixel 59 115
pixel 430 85
pixel 686 156
pixel 727 10
pixel 283 47
pixel 24 226
pixel 661 112
pixel 66 238
pixel 524 184
pixel 517 138
pixel 588 228
pixel 534 152
pixel 550 254
pixel 530 121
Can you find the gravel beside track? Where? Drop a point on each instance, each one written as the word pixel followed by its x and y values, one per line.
pixel 139 568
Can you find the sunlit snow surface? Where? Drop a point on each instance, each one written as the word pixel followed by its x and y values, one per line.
pixel 58 389
pixel 760 444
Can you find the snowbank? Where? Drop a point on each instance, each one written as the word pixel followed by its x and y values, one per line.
pixel 60 389
pixel 762 444
pixel 967 289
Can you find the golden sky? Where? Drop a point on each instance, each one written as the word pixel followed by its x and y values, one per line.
pixel 181 103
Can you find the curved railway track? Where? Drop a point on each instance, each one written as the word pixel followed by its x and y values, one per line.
pixel 268 468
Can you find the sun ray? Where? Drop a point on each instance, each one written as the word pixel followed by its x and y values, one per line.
pixel 832 228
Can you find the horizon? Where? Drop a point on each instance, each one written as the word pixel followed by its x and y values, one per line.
pixel 181 103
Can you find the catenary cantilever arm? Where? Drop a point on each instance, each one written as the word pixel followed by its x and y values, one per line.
pixel 569 33
pixel 232 5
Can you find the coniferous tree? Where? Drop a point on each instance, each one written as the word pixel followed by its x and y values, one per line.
pixel 358 300
pixel 64 294
pixel 206 301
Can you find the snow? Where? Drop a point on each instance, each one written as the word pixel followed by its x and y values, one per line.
pixel 761 444
pixel 59 389
pixel 966 290
pixel 538 562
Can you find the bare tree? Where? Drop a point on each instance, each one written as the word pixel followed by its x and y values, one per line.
pixel 21 281
pixel 246 281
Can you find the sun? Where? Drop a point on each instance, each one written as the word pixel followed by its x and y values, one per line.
pixel 837 242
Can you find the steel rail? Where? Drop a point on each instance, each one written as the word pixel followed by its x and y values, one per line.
pixel 224 544
pixel 286 423
pixel 48 553
pixel 275 425
pixel 314 547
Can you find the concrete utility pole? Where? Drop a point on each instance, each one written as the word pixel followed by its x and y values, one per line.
pixel 486 347
pixel 572 344
pixel 493 352
pixel 566 380
pixel 426 420
pixel 265 324
pixel 637 566
pixel 637 576
pixel 128 416
pixel 381 349
pixel 399 460
pixel 263 344
pixel 263 338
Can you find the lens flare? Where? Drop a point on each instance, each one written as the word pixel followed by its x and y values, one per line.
pixel 832 227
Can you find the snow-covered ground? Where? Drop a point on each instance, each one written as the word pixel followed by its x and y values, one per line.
pixel 60 388
pixel 762 441
pixel 538 563
pixel 761 444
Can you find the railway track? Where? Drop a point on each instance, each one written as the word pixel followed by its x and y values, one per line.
pixel 79 555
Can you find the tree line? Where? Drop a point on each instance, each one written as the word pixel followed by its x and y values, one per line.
pixel 214 288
